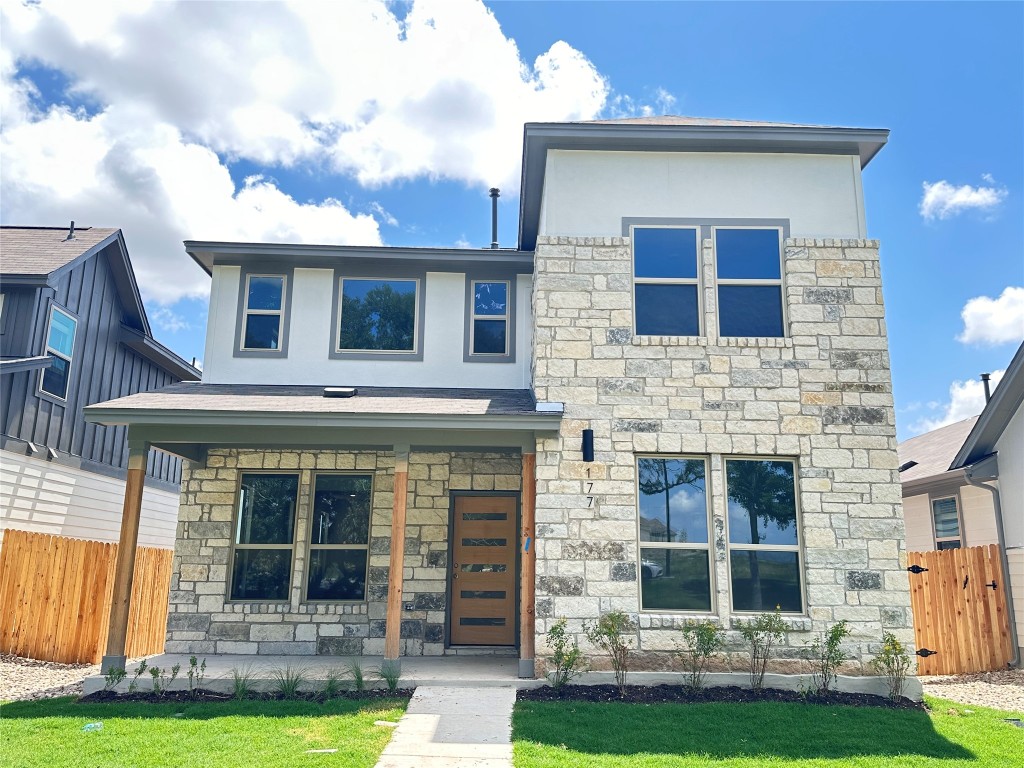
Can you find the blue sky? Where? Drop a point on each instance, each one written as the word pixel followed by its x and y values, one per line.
pixel 385 123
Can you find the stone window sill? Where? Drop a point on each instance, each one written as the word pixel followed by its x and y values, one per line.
pixel 794 623
pixel 704 341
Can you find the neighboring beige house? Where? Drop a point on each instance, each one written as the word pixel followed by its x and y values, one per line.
pixel 963 485
pixel 672 399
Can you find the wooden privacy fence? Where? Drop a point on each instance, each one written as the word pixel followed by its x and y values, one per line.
pixel 55 596
pixel 959 601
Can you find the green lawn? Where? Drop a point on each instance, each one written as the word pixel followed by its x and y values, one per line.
pixel 205 735
pixel 780 735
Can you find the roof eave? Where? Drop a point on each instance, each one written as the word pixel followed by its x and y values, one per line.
pixel 25 364
pixel 157 353
pixel 996 415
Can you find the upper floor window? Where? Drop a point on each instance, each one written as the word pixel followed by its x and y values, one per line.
pixel 378 315
pixel 666 285
pixel 60 346
pixel 748 273
pixel 490 318
pixel 264 312
pixel 947 523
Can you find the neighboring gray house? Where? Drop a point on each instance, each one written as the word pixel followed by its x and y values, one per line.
pixel 73 332
pixel 672 399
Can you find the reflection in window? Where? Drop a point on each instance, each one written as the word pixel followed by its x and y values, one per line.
pixel 490 318
pixel 264 532
pixel 665 287
pixel 675 558
pixel 340 535
pixel 748 271
pixel 377 315
pixel 264 312
pixel 60 346
pixel 764 535
pixel 947 523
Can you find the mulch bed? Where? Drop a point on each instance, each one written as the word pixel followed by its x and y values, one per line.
pixel 101 697
pixel 651 694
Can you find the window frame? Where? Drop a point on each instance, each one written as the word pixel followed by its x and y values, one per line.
pixel 235 546
pixel 706 547
pixel 509 356
pixel 697 281
pixel 310 547
pixel 753 282
pixel 49 351
pixel 243 312
pixel 335 352
pixel 959 538
pixel 798 547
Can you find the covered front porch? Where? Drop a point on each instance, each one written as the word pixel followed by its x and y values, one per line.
pixel 298 510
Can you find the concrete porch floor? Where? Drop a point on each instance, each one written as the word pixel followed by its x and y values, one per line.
pixel 447 671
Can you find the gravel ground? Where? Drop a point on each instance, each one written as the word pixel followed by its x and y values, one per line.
pixel 999 690
pixel 23 679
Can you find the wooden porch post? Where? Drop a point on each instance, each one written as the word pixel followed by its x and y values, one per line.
pixel 124 567
pixel 393 617
pixel 528 568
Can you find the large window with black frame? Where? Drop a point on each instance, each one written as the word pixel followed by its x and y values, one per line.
pixel 339 537
pixel 264 540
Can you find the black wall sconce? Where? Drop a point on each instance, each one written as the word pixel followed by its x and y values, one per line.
pixel 588 445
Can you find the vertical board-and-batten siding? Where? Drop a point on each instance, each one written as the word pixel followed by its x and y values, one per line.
pixel 43 497
pixel 102 369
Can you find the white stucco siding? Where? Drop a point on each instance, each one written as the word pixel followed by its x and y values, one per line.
pixel 311 332
pixel 1010 455
pixel 587 194
pixel 43 497
pixel 917 519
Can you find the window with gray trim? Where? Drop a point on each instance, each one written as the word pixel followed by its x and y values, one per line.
pixel 490 318
pixel 763 535
pixel 264 536
pixel 378 315
pixel 946 521
pixel 263 313
pixel 748 275
pixel 339 537
pixel 675 553
pixel 666 281
pixel 60 347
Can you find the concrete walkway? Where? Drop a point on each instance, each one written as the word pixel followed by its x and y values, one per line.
pixel 446 727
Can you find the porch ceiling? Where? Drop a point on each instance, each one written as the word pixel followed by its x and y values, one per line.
pixel 188 418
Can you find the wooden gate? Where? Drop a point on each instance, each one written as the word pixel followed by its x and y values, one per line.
pixel 959 601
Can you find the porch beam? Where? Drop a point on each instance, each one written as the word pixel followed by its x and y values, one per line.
pixel 124 566
pixel 528 569
pixel 393 616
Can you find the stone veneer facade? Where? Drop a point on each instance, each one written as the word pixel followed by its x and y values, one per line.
pixel 202 620
pixel 822 396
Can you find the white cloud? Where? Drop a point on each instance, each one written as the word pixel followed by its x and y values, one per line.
pixel 966 399
pixel 942 200
pixel 994 321
pixel 384 215
pixel 168 320
pixel 182 89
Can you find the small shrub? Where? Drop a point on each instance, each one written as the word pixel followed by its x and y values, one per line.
pixel 762 634
pixel 154 672
pixel 390 672
pixel 703 640
pixel 241 682
pixel 196 673
pixel 355 670
pixel 332 684
pixel 826 654
pixel 113 678
pixel 133 685
pixel 566 655
pixel 288 680
pixel 893 661
pixel 608 634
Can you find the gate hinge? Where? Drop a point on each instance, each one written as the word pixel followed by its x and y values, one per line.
pixel 915 568
pixel 991 584
pixel 925 652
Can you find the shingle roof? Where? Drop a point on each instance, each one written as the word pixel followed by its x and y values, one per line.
pixel 42 250
pixel 261 398
pixel 933 451
pixel 697 121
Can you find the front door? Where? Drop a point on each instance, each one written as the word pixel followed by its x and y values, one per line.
pixel 483 571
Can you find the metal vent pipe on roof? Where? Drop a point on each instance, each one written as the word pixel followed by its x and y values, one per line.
pixel 494 216
pixel 984 380
pixel 71 232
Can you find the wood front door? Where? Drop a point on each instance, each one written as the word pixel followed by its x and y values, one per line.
pixel 483 571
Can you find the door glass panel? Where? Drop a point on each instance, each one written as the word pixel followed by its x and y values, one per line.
pixel 482 594
pixel 484 542
pixel 484 516
pixel 472 621
pixel 483 568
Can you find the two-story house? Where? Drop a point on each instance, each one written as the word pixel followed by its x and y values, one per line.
pixel 73 331
pixel 672 399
